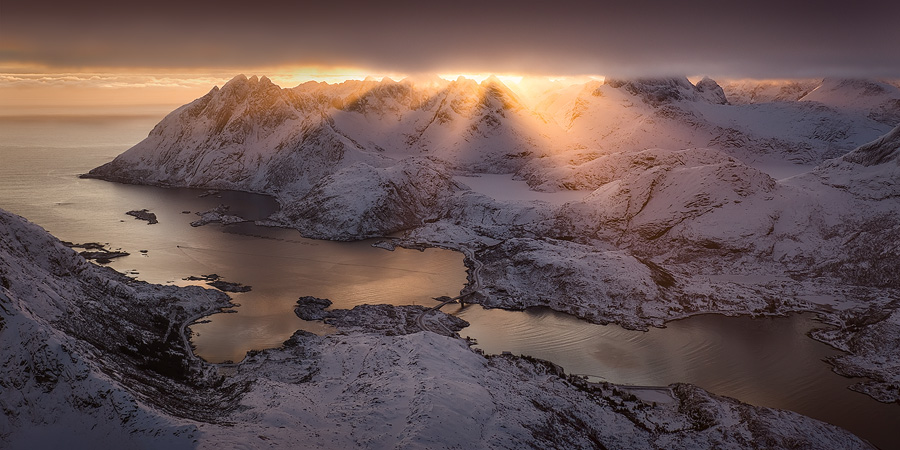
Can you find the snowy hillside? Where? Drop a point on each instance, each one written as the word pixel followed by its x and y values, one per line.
pixel 94 359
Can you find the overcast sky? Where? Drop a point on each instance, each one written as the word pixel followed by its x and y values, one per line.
pixel 762 39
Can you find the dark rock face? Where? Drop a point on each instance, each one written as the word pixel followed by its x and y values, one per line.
pixel 143 214
pixel 226 286
pixel 312 308
pixel 382 319
pixel 97 252
pixel 217 282
pixel 662 91
pixel 711 91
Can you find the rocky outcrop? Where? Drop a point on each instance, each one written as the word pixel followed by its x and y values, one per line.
pixel 144 214
pixel 711 91
pixel 382 319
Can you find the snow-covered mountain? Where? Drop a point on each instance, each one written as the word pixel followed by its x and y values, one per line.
pixel 252 135
pixel 669 208
pixel 95 359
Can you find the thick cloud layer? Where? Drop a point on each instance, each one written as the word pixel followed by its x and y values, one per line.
pixel 767 38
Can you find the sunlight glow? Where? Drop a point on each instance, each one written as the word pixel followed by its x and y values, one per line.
pixel 24 87
pixel 291 76
pixel 507 79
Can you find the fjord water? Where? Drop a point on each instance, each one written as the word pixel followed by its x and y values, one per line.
pixel 42 157
pixel 767 362
pixel 764 361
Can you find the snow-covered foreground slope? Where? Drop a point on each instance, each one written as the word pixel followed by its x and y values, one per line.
pixel 93 359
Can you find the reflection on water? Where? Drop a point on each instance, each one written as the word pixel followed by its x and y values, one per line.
pixel 765 362
pixel 282 267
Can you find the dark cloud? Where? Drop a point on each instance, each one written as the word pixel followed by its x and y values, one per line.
pixel 754 39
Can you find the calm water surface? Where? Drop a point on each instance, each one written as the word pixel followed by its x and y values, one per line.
pixel 764 362
pixel 41 158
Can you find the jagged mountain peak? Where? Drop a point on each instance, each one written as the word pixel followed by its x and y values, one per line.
pixel 496 88
pixel 239 78
pixel 492 80
pixel 711 91
pixel 640 83
pixel 240 85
